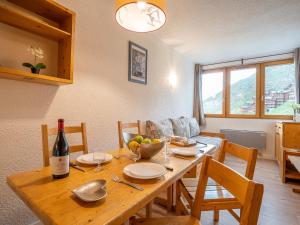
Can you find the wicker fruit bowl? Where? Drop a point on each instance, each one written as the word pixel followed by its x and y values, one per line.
pixel 147 147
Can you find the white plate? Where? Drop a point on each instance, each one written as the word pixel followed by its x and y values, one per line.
pixel 145 170
pixel 184 151
pixel 89 158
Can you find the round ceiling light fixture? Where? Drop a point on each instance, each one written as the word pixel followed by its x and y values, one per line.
pixel 141 15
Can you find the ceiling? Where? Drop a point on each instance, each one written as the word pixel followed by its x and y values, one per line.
pixel 211 31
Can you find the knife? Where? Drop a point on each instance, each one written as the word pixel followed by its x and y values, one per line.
pixel 73 165
pixel 168 167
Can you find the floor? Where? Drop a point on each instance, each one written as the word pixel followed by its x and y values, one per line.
pixel 280 205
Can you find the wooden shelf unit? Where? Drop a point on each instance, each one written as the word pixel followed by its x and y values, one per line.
pixel 287 142
pixel 50 20
pixel 37 78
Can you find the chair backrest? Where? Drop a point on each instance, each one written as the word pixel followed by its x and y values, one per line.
pixel 247 192
pixel 122 125
pixel 46 132
pixel 210 134
pixel 247 154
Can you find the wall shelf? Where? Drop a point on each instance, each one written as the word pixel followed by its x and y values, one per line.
pixel 17 18
pixel 46 8
pixel 50 20
pixel 27 76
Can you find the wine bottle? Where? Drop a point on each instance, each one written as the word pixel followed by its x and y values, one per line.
pixel 60 154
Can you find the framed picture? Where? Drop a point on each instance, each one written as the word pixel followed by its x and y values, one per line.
pixel 137 68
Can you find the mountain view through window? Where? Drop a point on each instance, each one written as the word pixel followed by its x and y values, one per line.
pixel 243 91
pixel 279 91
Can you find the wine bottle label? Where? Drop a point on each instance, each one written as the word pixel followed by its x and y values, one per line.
pixel 60 165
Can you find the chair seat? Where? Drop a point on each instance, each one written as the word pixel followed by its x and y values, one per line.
pixel 213 190
pixel 217 194
pixel 193 182
pixel 174 220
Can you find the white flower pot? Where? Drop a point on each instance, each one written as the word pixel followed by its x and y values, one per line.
pixel 297 118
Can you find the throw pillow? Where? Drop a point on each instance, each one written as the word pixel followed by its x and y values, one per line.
pixel 194 127
pixel 159 129
pixel 181 127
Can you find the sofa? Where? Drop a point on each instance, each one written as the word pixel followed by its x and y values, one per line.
pixel 183 127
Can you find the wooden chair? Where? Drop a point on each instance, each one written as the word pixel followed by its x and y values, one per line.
pixel 247 195
pixel 122 126
pixel 137 125
pixel 210 134
pixel 46 132
pixel 216 192
pixel 290 171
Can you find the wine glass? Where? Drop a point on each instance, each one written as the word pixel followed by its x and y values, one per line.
pixel 167 143
pixel 136 155
pixel 99 161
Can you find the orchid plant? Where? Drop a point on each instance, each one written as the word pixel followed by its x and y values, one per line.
pixel 38 53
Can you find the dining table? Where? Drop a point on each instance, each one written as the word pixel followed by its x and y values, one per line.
pixel 54 203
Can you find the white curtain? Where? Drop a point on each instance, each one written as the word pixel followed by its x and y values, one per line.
pixel 297 70
pixel 198 111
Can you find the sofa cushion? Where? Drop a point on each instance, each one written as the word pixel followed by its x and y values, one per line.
pixel 181 127
pixel 159 129
pixel 194 127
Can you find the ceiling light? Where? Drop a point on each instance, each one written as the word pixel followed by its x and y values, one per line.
pixel 141 15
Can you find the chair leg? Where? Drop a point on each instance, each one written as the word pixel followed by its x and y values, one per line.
pixel 149 210
pixel 216 215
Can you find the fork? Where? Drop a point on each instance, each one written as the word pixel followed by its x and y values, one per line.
pixel 116 179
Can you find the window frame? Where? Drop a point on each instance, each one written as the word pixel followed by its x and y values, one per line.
pixel 228 101
pixel 263 81
pixel 223 70
pixel 260 88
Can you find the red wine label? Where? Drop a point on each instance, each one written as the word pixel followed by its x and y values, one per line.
pixel 59 165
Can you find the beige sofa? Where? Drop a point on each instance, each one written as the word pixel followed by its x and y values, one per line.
pixel 187 127
pixel 184 127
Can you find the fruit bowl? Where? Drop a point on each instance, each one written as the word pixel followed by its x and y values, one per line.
pixel 147 149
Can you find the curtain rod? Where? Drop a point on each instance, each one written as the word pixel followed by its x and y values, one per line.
pixel 243 59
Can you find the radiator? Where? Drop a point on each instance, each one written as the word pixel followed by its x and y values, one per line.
pixel 254 139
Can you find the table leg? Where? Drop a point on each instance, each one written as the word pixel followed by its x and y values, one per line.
pixel 169 202
pixel 149 210
pixel 170 198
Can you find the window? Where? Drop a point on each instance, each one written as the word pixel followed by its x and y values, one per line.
pixel 242 91
pixel 212 92
pixel 278 88
pixel 265 90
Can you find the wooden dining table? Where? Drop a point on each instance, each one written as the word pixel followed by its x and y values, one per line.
pixel 54 203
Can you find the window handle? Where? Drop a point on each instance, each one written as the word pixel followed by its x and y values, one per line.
pixel 262 98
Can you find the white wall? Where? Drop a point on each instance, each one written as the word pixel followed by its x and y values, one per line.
pixel 100 95
pixel 268 126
